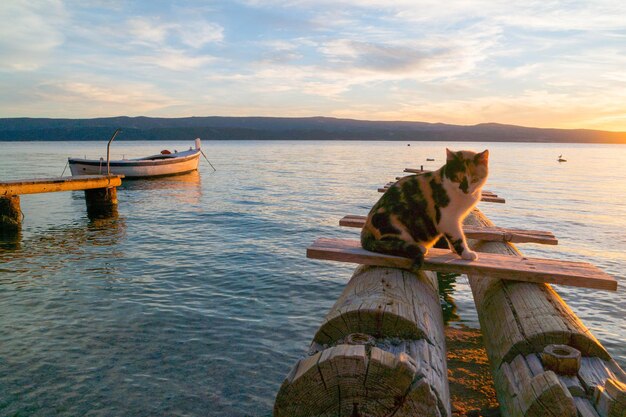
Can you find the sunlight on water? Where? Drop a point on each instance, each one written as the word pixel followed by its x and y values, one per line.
pixel 198 298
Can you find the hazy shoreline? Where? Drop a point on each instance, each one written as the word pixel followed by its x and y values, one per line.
pixel 104 139
pixel 277 128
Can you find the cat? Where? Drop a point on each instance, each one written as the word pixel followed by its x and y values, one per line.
pixel 415 212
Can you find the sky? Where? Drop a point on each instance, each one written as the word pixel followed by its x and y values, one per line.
pixel 541 63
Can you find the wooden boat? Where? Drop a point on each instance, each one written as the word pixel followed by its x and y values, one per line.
pixel 163 164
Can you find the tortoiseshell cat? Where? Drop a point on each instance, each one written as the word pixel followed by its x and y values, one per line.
pixel 418 209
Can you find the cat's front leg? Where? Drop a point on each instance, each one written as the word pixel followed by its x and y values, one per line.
pixel 458 243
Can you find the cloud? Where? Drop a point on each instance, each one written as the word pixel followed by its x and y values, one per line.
pixel 154 32
pixel 200 33
pixel 464 62
pixel 149 31
pixel 29 33
pixel 105 98
pixel 172 59
pixel 377 57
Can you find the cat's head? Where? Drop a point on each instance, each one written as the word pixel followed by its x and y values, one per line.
pixel 467 169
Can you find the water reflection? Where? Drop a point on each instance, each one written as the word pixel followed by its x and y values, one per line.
pixel 447 282
pixel 10 239
pixel 185 188
pixel 67 240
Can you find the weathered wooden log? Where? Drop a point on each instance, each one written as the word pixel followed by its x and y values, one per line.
pixel 518 321
pixel 380 351
pixel 10 214
pixel 101 202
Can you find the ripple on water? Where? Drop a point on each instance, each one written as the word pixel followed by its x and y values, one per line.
pixel 198 298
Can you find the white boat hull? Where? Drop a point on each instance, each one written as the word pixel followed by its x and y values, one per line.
pixel 139 168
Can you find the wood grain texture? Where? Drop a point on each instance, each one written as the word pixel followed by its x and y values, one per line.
pixel 48 185
pixel 530 317
pixel 496 234
pixel 488 198
pixel 576 274
pixel 397 366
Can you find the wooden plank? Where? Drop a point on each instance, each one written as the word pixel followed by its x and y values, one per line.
pixel 49 185
pixel 576 274
pixel 484 192
pixel 492 234
pixel 485 198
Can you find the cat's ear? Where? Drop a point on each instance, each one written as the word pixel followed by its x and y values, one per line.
pixel 482 158
pixel 450 156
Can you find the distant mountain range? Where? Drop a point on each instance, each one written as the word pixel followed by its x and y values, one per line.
pixel 303 128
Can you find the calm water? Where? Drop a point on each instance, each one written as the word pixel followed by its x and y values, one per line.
pixel 198 298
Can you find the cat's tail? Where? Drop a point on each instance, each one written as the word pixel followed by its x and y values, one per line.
pixel 392 245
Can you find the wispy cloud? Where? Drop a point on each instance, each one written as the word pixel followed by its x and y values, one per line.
pixel 103 95
pixel 29 33
pixel 532 63
pixel 155 32
pixel 149 31
pixel 172 59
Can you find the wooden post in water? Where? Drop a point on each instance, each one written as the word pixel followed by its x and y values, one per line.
pixel 10 213
pixel 525 325
pixel 379 352
pixel 101 202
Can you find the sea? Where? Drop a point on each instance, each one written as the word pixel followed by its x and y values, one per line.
pixel 198 298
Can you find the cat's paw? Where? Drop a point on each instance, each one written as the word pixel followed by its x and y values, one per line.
pixel 469 255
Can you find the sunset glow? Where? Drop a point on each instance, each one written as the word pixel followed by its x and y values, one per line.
pixel 555 64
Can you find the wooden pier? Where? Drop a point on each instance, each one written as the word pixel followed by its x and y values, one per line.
pixel 380 352
pixel 100 194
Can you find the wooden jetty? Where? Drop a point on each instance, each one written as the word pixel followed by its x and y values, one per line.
pixel 379 350
pixel 100 194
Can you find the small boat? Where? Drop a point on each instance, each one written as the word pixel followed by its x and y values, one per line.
pixel 560 159
pixel 160 165
pixel 430 159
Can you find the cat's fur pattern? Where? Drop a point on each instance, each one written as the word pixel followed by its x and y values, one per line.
pixel 419 209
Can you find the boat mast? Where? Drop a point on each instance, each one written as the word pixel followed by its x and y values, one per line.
pixel 118 130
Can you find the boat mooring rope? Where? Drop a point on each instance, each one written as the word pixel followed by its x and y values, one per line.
pixel 66 164
pixel 207 159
